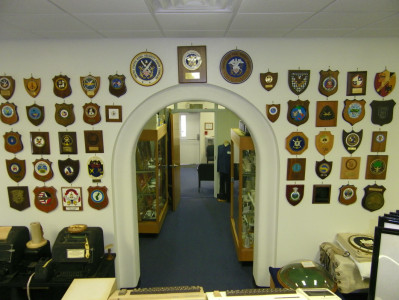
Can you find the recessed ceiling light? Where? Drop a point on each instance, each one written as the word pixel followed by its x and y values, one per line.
pixel 192 6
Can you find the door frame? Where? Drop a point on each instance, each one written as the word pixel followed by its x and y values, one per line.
pixel 124 188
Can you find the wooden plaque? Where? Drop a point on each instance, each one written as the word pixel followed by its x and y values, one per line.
pixel 68 142
pixel 353 111
pixel 296 168
pixel 321 193
pixel 40 142
pixel 379 141
pixel 192 64
pixel 272 112
pixel 296 143
pixel 326 113
pixel 350 167
pixel 376 166
pixel 94 141
pixel 347 194
pixel 356 83
pixel 18 197
pixel 324 142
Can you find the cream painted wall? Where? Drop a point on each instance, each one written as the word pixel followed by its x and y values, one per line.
pixel 301 228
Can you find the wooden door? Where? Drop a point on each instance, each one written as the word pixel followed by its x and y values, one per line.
pixel 175 158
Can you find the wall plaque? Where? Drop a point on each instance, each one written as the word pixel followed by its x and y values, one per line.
pixel 192 64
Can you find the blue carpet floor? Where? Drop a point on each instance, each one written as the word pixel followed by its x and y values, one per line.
pixel 195 245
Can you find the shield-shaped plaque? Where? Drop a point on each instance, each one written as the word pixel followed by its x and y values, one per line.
pixel 328 84
pixel 268 80
pixel 296 168
pixel 350 167
pixel 298 80
pixel 64 114
pixel 98 198
pixel 7 86
pixel 62 88
pixel 9 114
pixel 384 82
pixel 379 141
pixel 272 112
pixel 347 194
pixel 353 111
pixel 13 142
pixel 90 85
pixel 32 86
pixel 352 140
pixel 296 142
pixel 376 166
pixel 382 111
pixel 91 113
pixel 298 112
pixel 16 169
pixel 69 169
pixel 324 142
pixel 35 114
pixel 45 198
pixel 40 142
pixel 294 193
pixel 373 197
pixel 72 198
pixel 117 86
pixel 42 169
pixel 18 197
pixel 323 168
pixel 95 167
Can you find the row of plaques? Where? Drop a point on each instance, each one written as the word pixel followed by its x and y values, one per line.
pixel 42 169
pixel 327 112
pixel 64 113
pixel 372 200
pixel 46 198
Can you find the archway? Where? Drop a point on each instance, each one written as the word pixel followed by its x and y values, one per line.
pixel 124 177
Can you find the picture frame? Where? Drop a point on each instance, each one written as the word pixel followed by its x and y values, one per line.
pixel 113 113
pixel 321 194
pixel 208 126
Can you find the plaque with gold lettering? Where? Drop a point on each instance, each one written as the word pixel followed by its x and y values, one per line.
pixel 192 64
pixel 18 197
pixel 146 68
pixel 356 83
pixel 94 141
pixel 236 66
pixel 268 80
pixel 68 142
pixel 90 85
pixel 40 142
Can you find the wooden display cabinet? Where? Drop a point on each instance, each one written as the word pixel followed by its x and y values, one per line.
pixel 152 179
pixel 243 194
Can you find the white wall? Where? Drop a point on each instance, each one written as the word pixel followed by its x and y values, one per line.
pixel 300 228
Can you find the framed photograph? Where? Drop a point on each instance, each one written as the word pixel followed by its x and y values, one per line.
pixel 208 126
pixel 94 141
pixel 356 83
pixel 113 113
pixel 321 193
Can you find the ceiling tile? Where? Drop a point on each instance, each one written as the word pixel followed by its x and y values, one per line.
pixel 342 20
pixel 130 34
pixel 319 33
pixel 102 6
pixel 268 21
pixel 267 33
pixel 28 6
pixel 357 6
pixel 119 21
pixel 282 6
pixel 194 33
pixel 194 21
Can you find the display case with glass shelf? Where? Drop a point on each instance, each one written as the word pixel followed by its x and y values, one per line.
pixel 152 179
pixel 242 202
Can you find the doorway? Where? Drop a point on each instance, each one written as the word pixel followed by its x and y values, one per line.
pixel 190 138
pixel 124 178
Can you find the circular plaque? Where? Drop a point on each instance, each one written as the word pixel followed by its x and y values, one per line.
pixel 146 68
pixel 236 66
pixel 192 60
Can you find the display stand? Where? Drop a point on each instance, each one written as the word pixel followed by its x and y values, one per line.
pixel 152 179
pixel 243 194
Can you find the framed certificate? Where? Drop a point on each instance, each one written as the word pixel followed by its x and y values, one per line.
pixel 113 113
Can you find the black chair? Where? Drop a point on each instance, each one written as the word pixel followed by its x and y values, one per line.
pixel 210 153
pixel 205 173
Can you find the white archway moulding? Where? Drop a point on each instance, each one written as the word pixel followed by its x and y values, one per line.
pixel 124 177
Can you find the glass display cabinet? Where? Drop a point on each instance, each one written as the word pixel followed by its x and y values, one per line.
pixel 243 194
pixel 152 179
